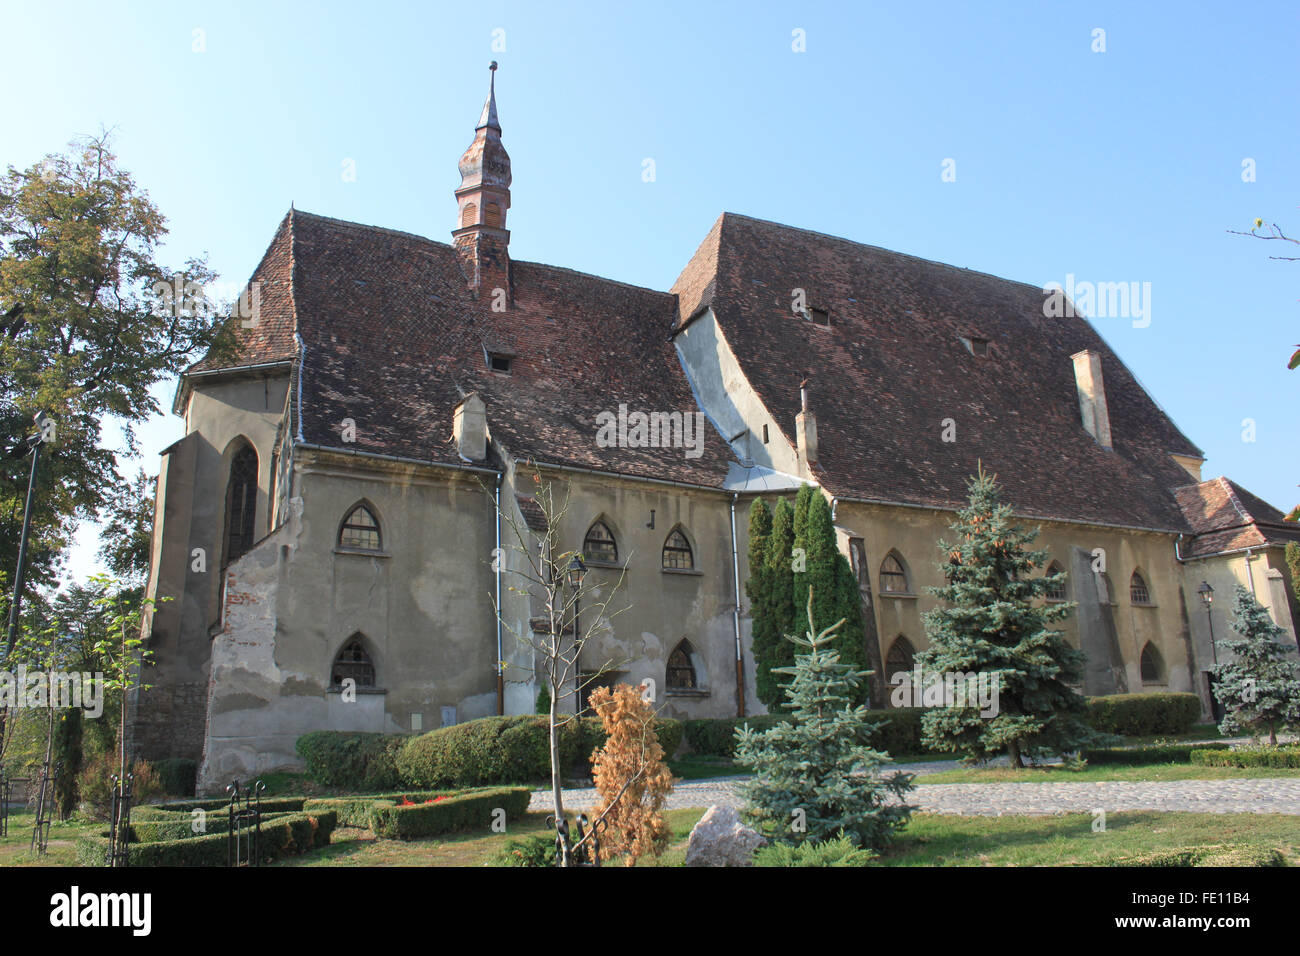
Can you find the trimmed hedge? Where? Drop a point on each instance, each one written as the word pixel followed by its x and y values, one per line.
pixel 1282 756
pixel 1138 756
pixel 286 835
pixel 1132 715
pixel 899 731
pixel 356 761
pixel 355 811
pixel 1216 855
pixel 506 750
pixel 536 850
pixel 1144 715
pixel 465 812
pixel 177 775
pixel 160 810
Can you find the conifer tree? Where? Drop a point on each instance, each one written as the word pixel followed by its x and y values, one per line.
pixel 764 636
pixel 830 579
pixel 993 623
pixel 1259 687
pixel 818 774
pixel 776 652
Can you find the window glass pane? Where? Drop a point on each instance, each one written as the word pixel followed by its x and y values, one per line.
pixel 677 552
pixel 353 662
pixel 599 544
pixel 360 530
pixel 892 576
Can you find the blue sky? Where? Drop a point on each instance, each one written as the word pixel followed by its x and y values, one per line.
pixel 1123 165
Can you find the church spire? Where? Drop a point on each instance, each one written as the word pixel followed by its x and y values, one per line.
pixel 489 117
pixel 481 237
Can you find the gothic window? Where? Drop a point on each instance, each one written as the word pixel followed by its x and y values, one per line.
pixel 353 661
pixel 1153 669
pixel 677 553
pixel 893 576
pixel 599 545
pixel 681 668
pixel 492 215
pixel 360 530
pixel 901 658
pixel 241 504
pixel 468 215
pixel 1055 592
pixel 1137 590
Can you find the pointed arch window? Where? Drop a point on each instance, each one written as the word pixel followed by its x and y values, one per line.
pixel 353 661
pixel 599 544
pixel 1152 664
pixel 893 576
pixel 241 504
pixel 1056 591
pixel 901 658
pixel 360 530
pixel 492 215
pixel 468 215
pixel 677 552
pixel 681 668
pixel 1138 592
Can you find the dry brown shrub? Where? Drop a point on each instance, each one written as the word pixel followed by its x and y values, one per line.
pixel 636 824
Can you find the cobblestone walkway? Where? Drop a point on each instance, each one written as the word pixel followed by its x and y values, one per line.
pixel 1262 795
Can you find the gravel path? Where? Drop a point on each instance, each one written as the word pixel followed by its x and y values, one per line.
pixel 1261 795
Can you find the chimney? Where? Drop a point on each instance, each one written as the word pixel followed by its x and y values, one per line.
pixel 1092 396
pixel 469 428
pixel 805 428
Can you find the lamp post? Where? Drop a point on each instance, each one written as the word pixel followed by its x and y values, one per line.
pixel 44 433
pixel 574 575
pixel 1207 598
pixel 1206 594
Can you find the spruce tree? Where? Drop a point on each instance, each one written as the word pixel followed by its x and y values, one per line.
pixel 777 652
pixel 818 774
pixel 1259 687
pixel 993 623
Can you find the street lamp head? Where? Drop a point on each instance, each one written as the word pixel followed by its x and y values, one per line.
pixel 576 571
pixel 1206 592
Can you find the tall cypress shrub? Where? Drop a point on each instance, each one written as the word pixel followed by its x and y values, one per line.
pixel 763 633
pixel 779 579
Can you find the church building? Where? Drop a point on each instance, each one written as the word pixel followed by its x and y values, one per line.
pixel 331 518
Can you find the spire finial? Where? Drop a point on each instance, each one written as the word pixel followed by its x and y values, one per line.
pixel 489 117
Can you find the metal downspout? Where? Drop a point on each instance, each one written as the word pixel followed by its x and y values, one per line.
pixel 735 614
pixel 496 564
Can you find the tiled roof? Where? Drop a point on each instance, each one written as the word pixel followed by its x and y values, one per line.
pixel 534 516
pixel 271 338
pixel 393 338
pixel 1226 517
pixel 892 367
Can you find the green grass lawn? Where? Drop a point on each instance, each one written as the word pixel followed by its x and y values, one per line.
pixel 1068 840
pixel 353 847
pixel 929 840
pixel 15 849
pixel 1059 774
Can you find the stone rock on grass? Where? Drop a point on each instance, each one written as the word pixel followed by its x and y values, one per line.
pixel 720 839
